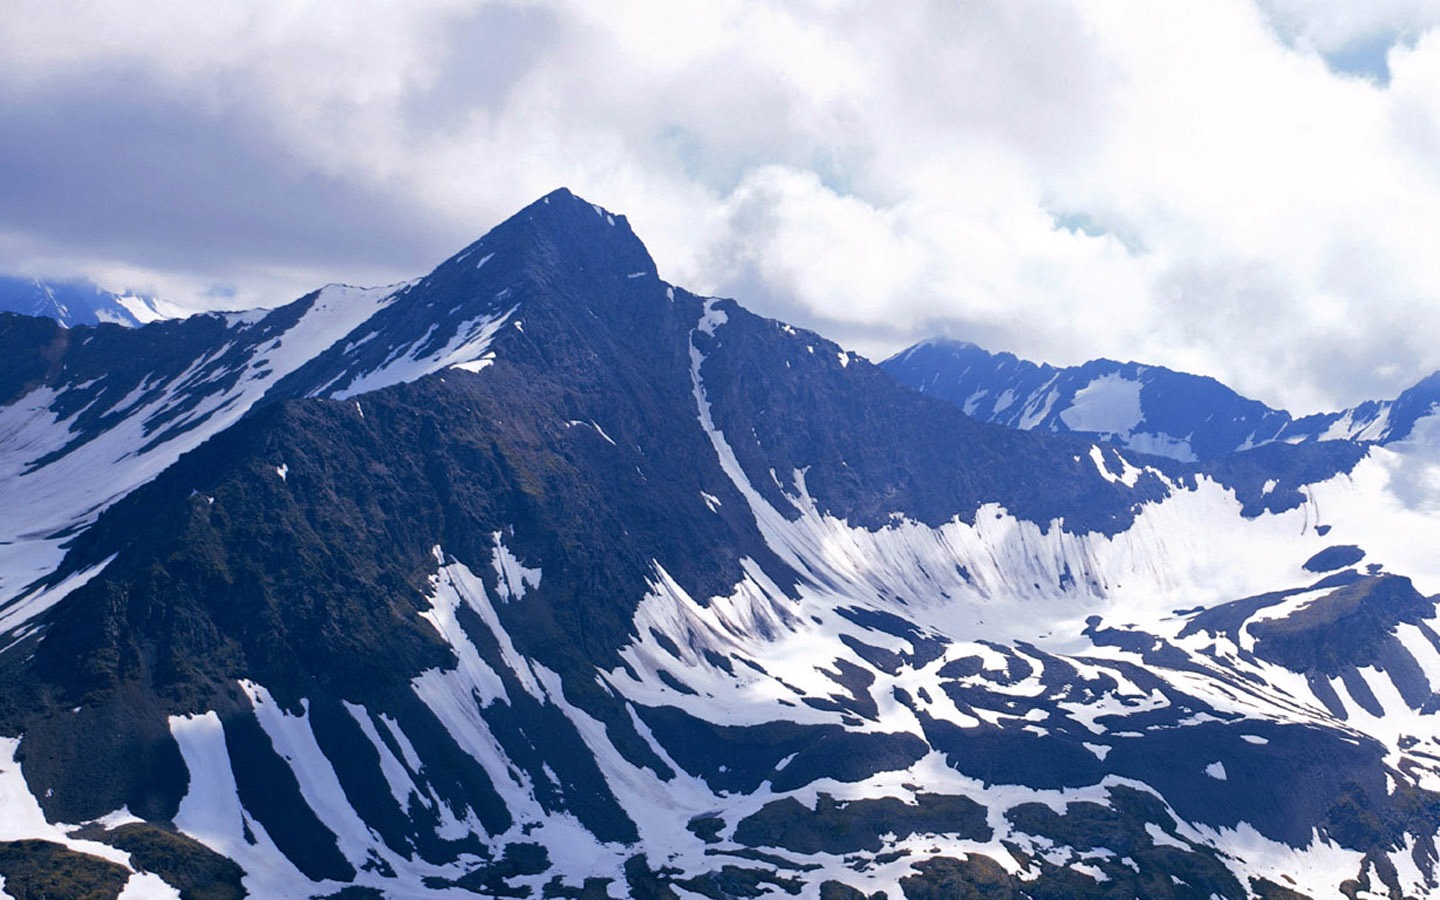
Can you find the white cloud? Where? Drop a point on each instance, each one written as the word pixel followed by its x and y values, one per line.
pixel 1197 187
pixel 1334 25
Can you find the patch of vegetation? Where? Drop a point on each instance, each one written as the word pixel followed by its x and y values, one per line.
pixel 43 870
pixel 355 892
pixel 1343 628
pixel 974 878
pixel 737 881
pixel 849 826
pixel 1332 558
pixel 739 758
pixel 1352 820
pixel 646 883
pixel 835 890
pixel 184 863
pixel 760 856
pixel 592 889
pixel 979 877
pixel 706 828
pixel 1266 889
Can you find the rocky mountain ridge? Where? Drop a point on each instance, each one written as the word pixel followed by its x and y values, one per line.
pixel 1149 409
pixel 539 576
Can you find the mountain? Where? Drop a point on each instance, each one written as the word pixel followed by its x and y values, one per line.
pixel 81 303
pixel 91 413
pixel 1149 409
pixel 539 576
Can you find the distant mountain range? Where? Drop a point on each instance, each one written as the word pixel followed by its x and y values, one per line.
pixel 1150 409
pixel 81 303
pixel 539 576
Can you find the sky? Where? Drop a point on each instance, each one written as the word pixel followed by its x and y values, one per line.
pixel 1248 189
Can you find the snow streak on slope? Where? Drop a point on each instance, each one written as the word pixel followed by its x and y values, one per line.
pixel 465 350
pixel 461 698
pixel 212 813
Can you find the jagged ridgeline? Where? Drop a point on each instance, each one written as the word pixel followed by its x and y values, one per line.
pixel 541 577
pixel 1149 409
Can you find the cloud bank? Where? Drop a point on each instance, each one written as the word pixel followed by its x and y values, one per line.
pixel 1241 189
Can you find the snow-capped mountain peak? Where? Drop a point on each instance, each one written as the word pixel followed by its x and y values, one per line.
pixel 537 576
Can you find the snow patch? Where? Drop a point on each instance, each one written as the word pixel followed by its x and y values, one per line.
pixel 472 678
pixel 397 778
pixel 466 348
pixel 152 309
pixel 513 579
pixel 1158 444
pixel 295 741
pixel 1037 409
pixel 1129 474
pixel 147 886
pixel 475 365
pixel 1109 404
pixel 212 814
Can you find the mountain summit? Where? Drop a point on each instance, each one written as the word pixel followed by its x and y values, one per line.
pixel 539 576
